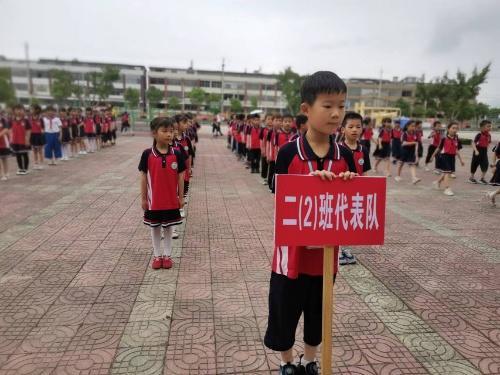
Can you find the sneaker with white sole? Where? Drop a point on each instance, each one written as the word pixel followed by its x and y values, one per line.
pixel 491 197
pixel 436 185
pixel 448 192
pixel 416 180
pixel 398 179
pixel 183 215
pixel 4 178
pixel 427 169
pixel 175 234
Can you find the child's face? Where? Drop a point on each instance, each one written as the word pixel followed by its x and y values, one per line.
pixel 164 135
pixel 303 129
pixel 326 113
pixel 19 112
pixel 397 126
pixel 277 122
pixel 418 126
pixel 62 114
pixel 88 113
pixel 269 121
pixel 256 121
pixel 287 124
pixel 453 130
pixel 352 130
pixel 411 128
pixel 50 113
pixel 387 124
pixel 438 126
pixel 487 128
pixel 183 125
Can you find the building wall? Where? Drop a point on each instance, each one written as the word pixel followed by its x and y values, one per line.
pixel 380 93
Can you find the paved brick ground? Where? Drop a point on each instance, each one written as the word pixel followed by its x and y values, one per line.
pixel 77 295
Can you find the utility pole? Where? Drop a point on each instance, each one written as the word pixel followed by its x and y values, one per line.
pixel 222 88
pixel 30 81
pixel 380 88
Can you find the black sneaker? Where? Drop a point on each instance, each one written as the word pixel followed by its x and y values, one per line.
pixel 483 182
pixel 289 369
pixel 310 369
pixel 472 180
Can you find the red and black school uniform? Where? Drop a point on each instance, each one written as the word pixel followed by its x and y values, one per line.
pixel 241 140
pixel 296 278
pixel 420 146
pixel 435 137
pixel 125 122
pixel 409 152
pixel 112 128
pixel 448 148
pixel 37 138
pixel 89 127
pixel 263 146
pixel 254 143
pixel 396 143
pixel 19 129
pixel 98 125
pixel 187 146
pixel 4 139
pixel 383 151
pixel 271 156
pixel 361 158
pixel 74 122
pixel 366 138
pixel 162 171
pixel 482 140
pixel 495 180
pixel 280 138
pixel 65 131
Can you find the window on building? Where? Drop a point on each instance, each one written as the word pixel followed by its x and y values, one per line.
pixel 406 93
pixel 174 82
pixel 21 86
pixel 156 81
pixel 217 84
pixel 204 83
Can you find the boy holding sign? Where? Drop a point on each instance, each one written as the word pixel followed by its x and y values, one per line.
pixel 296 279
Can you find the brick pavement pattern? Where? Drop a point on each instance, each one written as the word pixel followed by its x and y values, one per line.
pixel 77 295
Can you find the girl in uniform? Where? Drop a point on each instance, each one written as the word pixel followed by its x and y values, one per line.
pixel 409 144
pixel 162 178
pixel 445 155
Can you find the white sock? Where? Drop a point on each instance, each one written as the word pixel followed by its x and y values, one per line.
pixel 305 362
pixel 156 237
pixel 168 241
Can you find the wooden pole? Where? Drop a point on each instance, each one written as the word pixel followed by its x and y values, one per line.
pixel 326 346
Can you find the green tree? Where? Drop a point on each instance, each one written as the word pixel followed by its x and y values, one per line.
pixel 7 93
pixel 197 96
pixel 213 102
pixel 494 112
pixel 154 96
pixel 236 106
pixel 102 82
pixel 62 86
pixel 174 103
pixel 254 103
pixel 454 97
pixel 132 97
pixel 404 106
pixel 290 83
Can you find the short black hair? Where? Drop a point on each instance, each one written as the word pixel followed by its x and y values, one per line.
pixel 411 122
pixel 322 82
pixel 287 115
pixel 180 117
pixel 367 120
pixel 484 123
pixel 351 115
pixel 161 122
pixel 240 117
pixel 88 109
pixel 256 115
pixel 17 106
pixel 386 119
pixel 300 120
pixel 418 122
pixel 451 124
pixel 435 123
pixel 50 108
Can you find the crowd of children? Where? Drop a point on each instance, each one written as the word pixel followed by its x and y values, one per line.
pixel 324 131
pixel 52 135
pixel 166 170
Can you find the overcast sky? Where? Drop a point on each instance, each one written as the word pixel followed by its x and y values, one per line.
pixel 354 38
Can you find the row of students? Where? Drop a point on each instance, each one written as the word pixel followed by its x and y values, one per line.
pixel 52 135
pixel 165 173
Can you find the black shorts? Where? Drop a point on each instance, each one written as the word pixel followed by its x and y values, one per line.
pixel 288 299
pixel 37 139
pixel 4 152
pixel 81 133
pixel 65 135
pixel 74 131
pixel 408 155
pixel 445 163
pixel 98 129
pixel 165 218
pixel 90 135
pixel 383 152
pixel 495 180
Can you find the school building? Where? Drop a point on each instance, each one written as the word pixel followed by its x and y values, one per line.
pixel 33 79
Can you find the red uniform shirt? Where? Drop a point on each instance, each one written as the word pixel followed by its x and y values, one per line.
pixel 65 122
pixel 410 137
pixel 385 135
pixel 88 125
pixel 162 171
pixel 254 138
pixel 436 138
pixel 367 134
pixel 187 146
pixel 482 139
pixel 420 134
pixel 396 134
pixel 18 129
pixel 281 138
pixel 361 158
pixel 36 125
pixel 298 158
pixel 263 140
pixel 450 145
